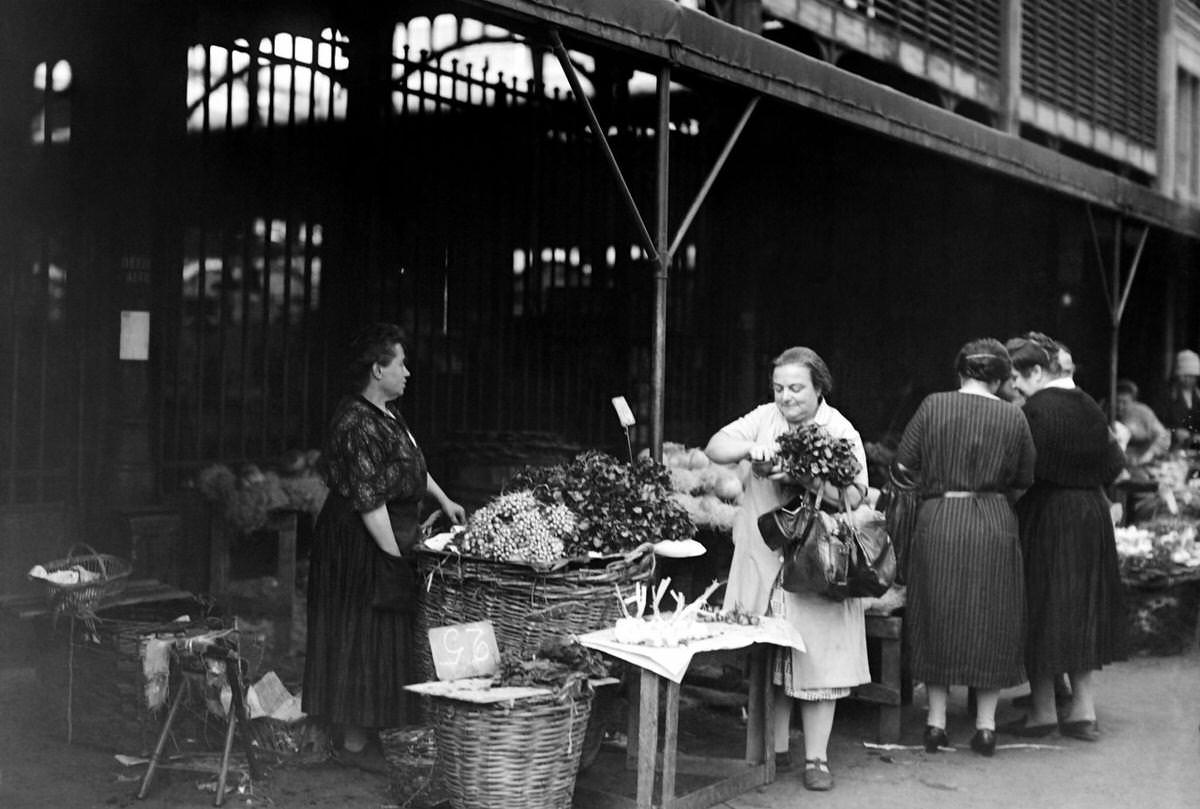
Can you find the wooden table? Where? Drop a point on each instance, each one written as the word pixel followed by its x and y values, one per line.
pixel 644 756
pixel 284 524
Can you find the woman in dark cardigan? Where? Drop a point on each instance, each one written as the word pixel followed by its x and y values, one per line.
pixel 1075 608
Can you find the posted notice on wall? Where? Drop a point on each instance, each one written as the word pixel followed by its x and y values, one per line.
pixel 135 336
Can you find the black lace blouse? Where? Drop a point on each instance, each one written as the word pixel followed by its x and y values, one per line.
pixel 371 459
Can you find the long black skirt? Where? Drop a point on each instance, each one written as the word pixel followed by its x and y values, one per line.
pixel 966 599
pixel 1075 602
pixel 358 657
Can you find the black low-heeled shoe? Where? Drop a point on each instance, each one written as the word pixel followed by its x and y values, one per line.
pixel 984 742
pixel 935 737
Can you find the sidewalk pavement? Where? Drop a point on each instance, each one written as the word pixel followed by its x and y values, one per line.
pixel 1147 758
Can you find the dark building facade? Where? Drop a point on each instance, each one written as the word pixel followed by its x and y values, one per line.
pixel 204 198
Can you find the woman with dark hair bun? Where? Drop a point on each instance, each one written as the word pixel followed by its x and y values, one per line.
pixel 362 584
pixel 971 453
pixel 1074 599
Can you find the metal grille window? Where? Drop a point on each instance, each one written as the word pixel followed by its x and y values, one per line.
pixel 238 381
pixel 1095 59
pixel 284 78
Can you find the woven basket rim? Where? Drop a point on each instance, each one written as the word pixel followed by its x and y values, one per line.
pixel 637 563
pixel 112 568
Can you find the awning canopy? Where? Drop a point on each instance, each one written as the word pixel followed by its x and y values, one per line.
pixel 698 43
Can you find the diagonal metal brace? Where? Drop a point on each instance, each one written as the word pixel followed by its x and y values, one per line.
pixel 568 67
pixel 702 194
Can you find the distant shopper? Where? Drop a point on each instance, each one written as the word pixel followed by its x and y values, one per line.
pixel 1074 599
pixel 1148 438
pixel 972 454
pixel 1182 412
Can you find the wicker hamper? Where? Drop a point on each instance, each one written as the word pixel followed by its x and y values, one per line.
pixel 523 604
pixel 520 754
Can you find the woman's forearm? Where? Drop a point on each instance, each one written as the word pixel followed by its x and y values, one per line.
pixel 379 526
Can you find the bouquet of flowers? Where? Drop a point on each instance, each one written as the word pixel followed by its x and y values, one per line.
pixel 811 452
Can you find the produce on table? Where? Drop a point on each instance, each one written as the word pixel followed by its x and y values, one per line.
pixel 618 506
pixel 709 492
pixel 662 628
pixel 560 662
pixel 246 499
pixel 1157 548
pixel 516 526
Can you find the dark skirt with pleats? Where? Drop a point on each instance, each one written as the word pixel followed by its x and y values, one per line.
pixel 1076 606
pixel 966 597
pixel 358 657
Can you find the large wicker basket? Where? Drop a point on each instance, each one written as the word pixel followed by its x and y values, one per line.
pixel 112 574
pixel 524 605
pixel 520 754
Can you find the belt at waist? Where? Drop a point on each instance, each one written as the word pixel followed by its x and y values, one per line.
pixel 955 495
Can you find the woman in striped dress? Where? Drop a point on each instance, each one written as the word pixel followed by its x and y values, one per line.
pixel 972 453
pixel 1074 599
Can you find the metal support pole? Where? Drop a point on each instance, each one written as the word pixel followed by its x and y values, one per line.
pixel 1114 353
pixel 568 67
pixel 702 194
pixel 662 261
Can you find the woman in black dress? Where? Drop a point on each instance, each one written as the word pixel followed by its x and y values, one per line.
pixel 1073 591
pixel 972 453
pixel 361 586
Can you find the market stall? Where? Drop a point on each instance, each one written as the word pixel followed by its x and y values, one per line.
pixel 1160 557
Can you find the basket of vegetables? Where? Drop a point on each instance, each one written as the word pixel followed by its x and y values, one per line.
pixel 542 558
pixel 523 752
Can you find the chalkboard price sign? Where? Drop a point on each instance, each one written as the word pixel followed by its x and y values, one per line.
pixel 464 650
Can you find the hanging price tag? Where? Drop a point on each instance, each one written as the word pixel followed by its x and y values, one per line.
pixel 464 650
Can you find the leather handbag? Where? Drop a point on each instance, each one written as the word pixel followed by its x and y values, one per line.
pixel 814 560
pixel 853 558
pixel 871 558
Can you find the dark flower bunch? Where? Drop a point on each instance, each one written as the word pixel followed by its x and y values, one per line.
pixel 619 505
pixel 811 452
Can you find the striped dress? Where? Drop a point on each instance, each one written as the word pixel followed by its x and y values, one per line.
pixel 1073 583
pixel 966 593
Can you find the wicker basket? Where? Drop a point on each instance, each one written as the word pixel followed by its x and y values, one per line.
pixel 94 683
pixel 86 597
pixel 521 754
pixel 523 604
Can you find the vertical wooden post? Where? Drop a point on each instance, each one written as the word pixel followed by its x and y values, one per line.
pixel 647 738
pixel 1009 117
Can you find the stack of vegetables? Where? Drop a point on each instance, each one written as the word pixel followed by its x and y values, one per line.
pixel 709 492
pixel 592 506
pixel 1158 550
